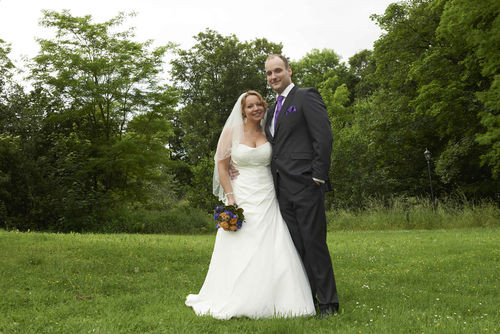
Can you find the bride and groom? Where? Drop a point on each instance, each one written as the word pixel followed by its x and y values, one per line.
pixel 278 264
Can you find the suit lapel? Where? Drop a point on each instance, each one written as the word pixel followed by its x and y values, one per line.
pixel 270 115
pixel 286 105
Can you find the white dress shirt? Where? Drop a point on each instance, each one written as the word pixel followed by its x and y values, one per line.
pixel 284 94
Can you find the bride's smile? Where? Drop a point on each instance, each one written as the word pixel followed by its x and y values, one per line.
pixel 254 109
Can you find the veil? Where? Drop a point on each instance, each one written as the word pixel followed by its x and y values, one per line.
pixel 230 138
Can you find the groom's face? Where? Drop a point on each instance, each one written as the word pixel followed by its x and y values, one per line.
pixel 278 76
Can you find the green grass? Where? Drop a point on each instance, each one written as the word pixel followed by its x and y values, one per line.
pixel 443 281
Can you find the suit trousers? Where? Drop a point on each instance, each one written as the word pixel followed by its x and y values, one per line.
pixel 304 214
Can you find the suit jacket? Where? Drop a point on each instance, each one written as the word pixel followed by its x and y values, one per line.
pixel 302 141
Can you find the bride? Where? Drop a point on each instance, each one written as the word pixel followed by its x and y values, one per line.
pixel 255 272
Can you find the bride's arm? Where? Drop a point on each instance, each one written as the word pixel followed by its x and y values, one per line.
pixel 225 181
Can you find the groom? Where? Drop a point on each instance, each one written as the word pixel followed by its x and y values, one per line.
pixel 299 131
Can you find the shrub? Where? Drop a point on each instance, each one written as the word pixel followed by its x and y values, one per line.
pixel 179 219
pixel 416 213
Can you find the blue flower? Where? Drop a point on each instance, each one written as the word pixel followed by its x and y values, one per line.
pixel 229 218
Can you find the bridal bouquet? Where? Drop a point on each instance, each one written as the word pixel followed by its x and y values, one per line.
pixel 229 217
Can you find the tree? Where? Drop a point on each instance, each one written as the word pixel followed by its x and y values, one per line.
pixel 451 77
pixel 20 176
pixel 211 76
pixel 94 129
pixel 320 69
pixel 362 68
pixel 429 81
pixel 103 87
pixel 6 65
pixel 474 31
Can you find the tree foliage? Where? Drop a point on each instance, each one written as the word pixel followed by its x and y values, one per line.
pixel 111 111
pixel 101 117
pixel 211 76
pixel 100 130
pixel 430 82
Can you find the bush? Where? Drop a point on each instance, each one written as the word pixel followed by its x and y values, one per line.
pixel 179 219
pixel 415 213
pixel 200 193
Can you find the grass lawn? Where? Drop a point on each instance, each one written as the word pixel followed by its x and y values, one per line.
pixel 442 281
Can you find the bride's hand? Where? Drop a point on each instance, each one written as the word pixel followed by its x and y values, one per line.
pixel 230 200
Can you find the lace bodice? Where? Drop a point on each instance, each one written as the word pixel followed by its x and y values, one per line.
pixel 244 155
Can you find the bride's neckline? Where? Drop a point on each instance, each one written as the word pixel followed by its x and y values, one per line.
pixel 255 146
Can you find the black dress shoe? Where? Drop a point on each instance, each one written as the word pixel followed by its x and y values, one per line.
pixel 335 308
pixel 328 311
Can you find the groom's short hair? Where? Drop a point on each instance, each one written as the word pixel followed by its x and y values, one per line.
pixel 283 58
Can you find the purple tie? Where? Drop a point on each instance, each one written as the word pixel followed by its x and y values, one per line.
pixel 278 108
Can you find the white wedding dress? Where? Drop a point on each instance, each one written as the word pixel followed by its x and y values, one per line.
pixel 255 272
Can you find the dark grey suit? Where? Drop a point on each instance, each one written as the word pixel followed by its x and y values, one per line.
pixel 302 145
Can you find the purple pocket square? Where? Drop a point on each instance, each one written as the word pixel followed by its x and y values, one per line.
pixel 291 109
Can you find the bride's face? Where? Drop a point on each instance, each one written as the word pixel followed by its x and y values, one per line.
pixel 254 108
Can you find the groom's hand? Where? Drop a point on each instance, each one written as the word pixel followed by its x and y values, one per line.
pixel 318 181
pixel 233 172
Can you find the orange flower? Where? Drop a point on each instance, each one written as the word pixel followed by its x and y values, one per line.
pixel 229 218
